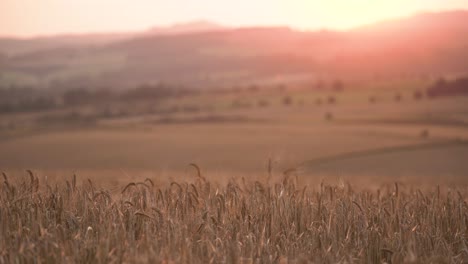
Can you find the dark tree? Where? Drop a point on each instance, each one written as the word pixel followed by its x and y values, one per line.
pixel 338 86
pixel 417 95
pixel 76 96
pixel 287 100
pixel 398 97
pixel 263 103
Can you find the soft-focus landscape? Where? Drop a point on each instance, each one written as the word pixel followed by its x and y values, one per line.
pixel 203 143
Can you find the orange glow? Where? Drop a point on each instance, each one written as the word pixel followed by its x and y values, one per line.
pixel 32 17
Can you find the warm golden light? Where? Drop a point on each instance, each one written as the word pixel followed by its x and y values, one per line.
pixel 31 17
pixel 233 131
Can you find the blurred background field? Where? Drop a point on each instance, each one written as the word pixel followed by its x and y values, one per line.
pixel 385 100
pixel 238 133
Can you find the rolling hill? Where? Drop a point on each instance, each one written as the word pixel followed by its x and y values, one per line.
pixel 204 54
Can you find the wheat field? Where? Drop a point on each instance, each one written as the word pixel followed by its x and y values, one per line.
pixel 199 220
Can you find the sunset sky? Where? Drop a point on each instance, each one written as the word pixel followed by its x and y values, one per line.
pixel 28 18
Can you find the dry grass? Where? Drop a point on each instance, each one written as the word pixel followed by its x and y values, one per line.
pixel 242 221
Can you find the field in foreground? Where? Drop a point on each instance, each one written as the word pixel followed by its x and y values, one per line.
pixel 238 221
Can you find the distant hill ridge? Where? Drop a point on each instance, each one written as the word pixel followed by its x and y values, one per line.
pixel 204 53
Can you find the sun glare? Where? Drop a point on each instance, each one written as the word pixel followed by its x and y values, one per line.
pixel 335 14
pixel 30 17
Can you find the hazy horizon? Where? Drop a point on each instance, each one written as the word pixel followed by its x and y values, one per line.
pixel 88 17
pixel 203 131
